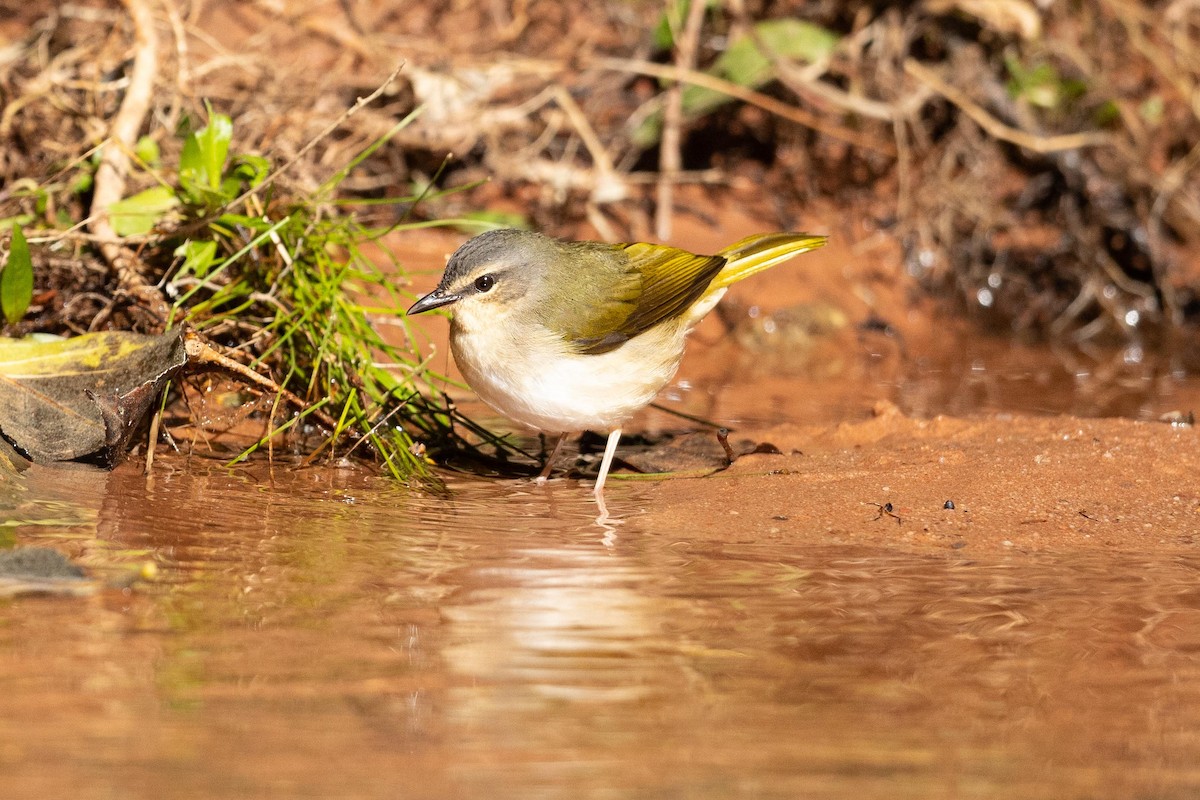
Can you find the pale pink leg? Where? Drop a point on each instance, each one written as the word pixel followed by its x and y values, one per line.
pixel 610 450
pixel 545 473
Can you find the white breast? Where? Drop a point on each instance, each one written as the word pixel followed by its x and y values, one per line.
pixel 535 381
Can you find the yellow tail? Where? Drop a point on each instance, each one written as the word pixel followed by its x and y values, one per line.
pixel 761 251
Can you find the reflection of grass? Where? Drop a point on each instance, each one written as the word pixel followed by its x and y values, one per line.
pixel 40 513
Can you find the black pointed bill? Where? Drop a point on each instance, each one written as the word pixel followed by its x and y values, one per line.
pixel 435 299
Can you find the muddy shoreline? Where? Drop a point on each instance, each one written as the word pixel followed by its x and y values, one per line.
pixel 1017 484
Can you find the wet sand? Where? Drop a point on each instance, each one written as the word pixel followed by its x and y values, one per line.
pixel 1017 483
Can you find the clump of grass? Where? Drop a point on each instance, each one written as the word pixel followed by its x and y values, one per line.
pixel 286 286
pixel 289 282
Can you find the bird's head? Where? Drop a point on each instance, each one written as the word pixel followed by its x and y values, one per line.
pixel 492 275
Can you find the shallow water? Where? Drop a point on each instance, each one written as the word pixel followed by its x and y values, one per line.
pixel 957 373
pixel 320 633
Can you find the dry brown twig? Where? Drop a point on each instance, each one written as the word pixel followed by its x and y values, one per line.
pixel 805 81
pixel 202 353
pixel 114 162
pixel 765 102
pixel 607 186
pixel 670 157
pixel 997 129
pixel 183 70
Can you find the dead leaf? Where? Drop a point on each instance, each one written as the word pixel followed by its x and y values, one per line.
pixel 1009 17
pixel 11 462
pixel 82 398
pixel 685 453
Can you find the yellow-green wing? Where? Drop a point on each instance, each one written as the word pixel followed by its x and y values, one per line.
pixel 762 251
pixel 658 283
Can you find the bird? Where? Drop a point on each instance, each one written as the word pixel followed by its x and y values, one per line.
pixel 565 336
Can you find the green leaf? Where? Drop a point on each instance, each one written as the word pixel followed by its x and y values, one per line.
pixel 251 169
pixel 745 64
pixel 147 151
pixel 1152 110
pixel 16 280
pixel 83 184
pixel 671 20
pixel 202 163
pixel 139 213
pixel 1042 85
pixel 198 257
pixel 1107 113
pixel 82 397
pixel 14 221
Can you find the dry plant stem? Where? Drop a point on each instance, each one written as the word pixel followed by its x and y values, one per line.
pixel 606 180
pixel 997 129
pixel 202 353
pixel 806 81
pixel 765 102
pixel 114 163
pixel 518 23
pixel 152 440
pixel 670 159
pixel 1135 20
pixel 183 73
pixel 595 148
pixel 799 82
pixel 903 168
pixel 271 435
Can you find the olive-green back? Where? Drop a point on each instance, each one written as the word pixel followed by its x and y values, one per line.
pixel 622 290
pixel 617 291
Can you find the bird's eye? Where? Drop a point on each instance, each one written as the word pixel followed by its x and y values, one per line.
pixel 484 283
